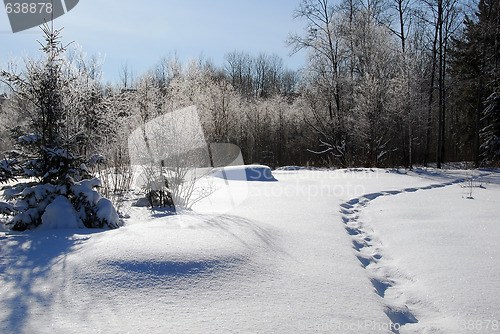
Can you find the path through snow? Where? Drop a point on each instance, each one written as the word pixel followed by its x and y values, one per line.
pixel 393 283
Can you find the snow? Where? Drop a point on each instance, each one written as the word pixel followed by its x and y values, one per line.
pixel 245 173
pixel 85 188
pixel 447 255
pixel 344 251
pixel 29 139
pixel 106 211
pixel 60 213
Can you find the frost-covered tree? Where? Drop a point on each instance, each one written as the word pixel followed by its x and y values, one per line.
pixel 46 155
pixel 102 117
pixel 351 67
pixel 172 156
pixel 328 89
pixel 238 68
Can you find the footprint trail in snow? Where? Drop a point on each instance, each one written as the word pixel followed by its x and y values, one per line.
pixel 369 249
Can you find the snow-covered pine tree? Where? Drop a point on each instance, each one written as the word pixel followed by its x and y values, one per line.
pixel 55 179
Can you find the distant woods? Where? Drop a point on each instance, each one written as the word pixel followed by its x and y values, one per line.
pixel 387 83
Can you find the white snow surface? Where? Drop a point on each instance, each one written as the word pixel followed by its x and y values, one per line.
pixel 60 214
pixel 344 251
pixel 245 173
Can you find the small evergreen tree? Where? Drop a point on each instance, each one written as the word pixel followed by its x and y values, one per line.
pixel 44 152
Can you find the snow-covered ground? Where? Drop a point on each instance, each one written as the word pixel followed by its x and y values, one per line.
pixel 345 251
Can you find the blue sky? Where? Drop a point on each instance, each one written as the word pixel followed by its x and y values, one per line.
pixel 139 33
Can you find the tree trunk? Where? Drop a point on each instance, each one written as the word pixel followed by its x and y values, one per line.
pixel 440 141
pixel 431 99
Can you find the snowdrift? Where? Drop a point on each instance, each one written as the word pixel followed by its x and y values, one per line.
pixel 245 173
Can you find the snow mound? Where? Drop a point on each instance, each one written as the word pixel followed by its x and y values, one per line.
pixel 296 168
pixel 292 168
pixel 106 211
pixel 245 173
pixel 184 252
pixel 60 214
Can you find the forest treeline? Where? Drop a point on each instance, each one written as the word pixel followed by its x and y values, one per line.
pixel 387 83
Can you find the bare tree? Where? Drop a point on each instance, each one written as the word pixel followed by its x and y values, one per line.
pixel 445 18
pixel 126 77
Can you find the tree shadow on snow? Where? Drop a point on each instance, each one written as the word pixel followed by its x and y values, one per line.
pixel 26 260
pixel 228 223
pixel 247 232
